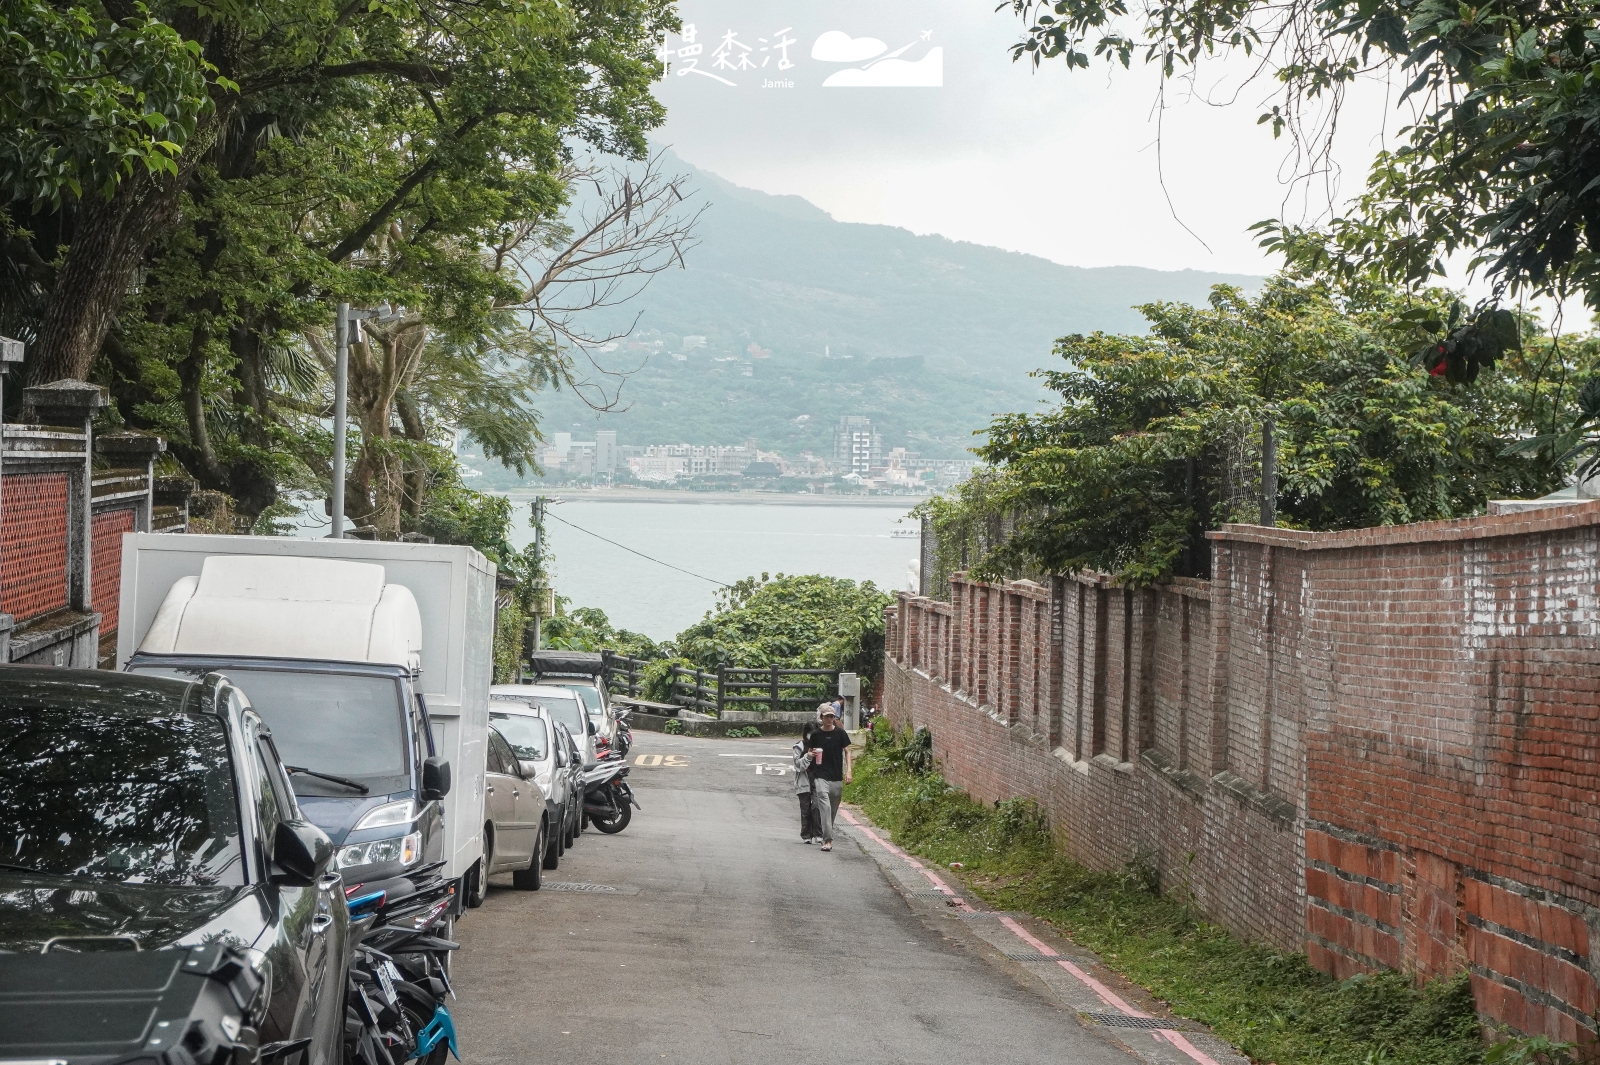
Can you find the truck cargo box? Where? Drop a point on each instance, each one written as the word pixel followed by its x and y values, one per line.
pixel 318 611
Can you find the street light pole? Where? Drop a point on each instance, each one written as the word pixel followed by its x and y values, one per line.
pixel 347 331
pixel 341 375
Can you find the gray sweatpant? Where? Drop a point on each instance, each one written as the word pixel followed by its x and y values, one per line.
pixel 825 800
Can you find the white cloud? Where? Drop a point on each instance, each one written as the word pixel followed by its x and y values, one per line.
pixel 836 46
pixel 925 73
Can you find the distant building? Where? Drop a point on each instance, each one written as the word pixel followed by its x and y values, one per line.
pixel 857 446
pixel 666 462
pixel 690 343
pixel 605 451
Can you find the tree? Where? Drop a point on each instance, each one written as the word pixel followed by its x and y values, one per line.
pixel 1501 159
pixel 797 622
pixel 1158 438
pixel 440 371
pixel 459 109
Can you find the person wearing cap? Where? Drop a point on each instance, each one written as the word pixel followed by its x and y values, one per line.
pixel 830 755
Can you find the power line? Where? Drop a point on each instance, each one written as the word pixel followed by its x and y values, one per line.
pixel 630 550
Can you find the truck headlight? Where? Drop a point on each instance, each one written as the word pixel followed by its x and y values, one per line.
pixel 403 849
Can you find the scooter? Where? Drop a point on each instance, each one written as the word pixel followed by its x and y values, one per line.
pixel 399 971
pixel 607 800
pixel 624 731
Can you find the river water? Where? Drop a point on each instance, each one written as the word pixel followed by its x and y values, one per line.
pixel 720 539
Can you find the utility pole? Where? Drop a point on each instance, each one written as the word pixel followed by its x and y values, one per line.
pixel 341 377
pixel 347 331
pixel 1269 470
pixel 538 558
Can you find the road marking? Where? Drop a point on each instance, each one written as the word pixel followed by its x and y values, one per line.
pixel 666 761
pixel 763 768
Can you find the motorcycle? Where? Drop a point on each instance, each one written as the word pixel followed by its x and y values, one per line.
pixel 607 799
pixel 400 971
pixel 624 731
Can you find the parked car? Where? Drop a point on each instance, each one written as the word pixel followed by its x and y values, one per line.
pixel 517 823
pixel 584 674
pixel 572 758
pixel 540 745
pixel 145 813
pixel 563 705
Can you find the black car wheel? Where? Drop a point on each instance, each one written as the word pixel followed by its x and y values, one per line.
pixel 552 853
pixel 531 878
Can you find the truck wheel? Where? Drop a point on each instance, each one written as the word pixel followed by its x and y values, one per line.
pixel 477 878
pixel 531 878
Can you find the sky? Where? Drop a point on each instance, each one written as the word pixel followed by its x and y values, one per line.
pixel 1064 165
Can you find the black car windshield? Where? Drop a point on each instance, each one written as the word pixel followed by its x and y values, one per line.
pixel 526 735
pixel 345 724
pixel 134 798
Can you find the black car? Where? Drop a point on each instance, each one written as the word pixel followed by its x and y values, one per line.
pixel 139 813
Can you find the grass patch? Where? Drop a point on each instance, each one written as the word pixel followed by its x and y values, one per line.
pixel 1270 1004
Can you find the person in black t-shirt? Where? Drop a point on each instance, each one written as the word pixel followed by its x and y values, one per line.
pixel 830 769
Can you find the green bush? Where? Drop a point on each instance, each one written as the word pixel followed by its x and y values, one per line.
pixel 746 732
pixel 673 727
pixel 1270 1004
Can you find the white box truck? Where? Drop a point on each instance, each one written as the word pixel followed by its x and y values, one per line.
pixel 370 662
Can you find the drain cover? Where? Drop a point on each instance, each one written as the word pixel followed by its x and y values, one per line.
pixel 1122 1020
pixel 1030 955
pixel 933 893
pixel 593 889
pixel 984 915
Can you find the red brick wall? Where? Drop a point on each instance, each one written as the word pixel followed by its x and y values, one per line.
pixel 1381 746
pixel 106 567
pixel 33 544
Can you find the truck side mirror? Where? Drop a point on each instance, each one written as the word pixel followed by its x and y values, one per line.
pixel 301 853
pixel 435 779
pixel 592 729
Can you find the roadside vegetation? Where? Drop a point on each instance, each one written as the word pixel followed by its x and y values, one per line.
pixel 793 621
pixel 1270 1004
pixel 1314 404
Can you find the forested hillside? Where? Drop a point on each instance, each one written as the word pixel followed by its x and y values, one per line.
pixel 927 335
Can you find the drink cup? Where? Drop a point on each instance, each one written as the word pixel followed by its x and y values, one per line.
pixel 816 753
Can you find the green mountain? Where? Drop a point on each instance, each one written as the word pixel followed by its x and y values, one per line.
pixel 812 319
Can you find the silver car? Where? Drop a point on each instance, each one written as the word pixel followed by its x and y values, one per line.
pixel 562 704
pixel 596 703
pixel 543 748
pixel 517 823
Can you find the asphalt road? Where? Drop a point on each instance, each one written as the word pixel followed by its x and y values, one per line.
pixel 725 939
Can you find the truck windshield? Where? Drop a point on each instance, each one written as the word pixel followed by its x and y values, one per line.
pixel 345 724
pixel 350 726
pixel 525 734
pixel 138 799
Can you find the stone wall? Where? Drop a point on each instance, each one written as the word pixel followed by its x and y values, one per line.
pixel 1381 747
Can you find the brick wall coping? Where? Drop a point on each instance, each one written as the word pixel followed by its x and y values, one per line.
pixel 1483 527
pixel 1192 587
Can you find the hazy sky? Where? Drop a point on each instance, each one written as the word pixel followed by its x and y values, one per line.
pixel 1058 164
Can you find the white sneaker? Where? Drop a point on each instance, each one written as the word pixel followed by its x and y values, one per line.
pixel 807 842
